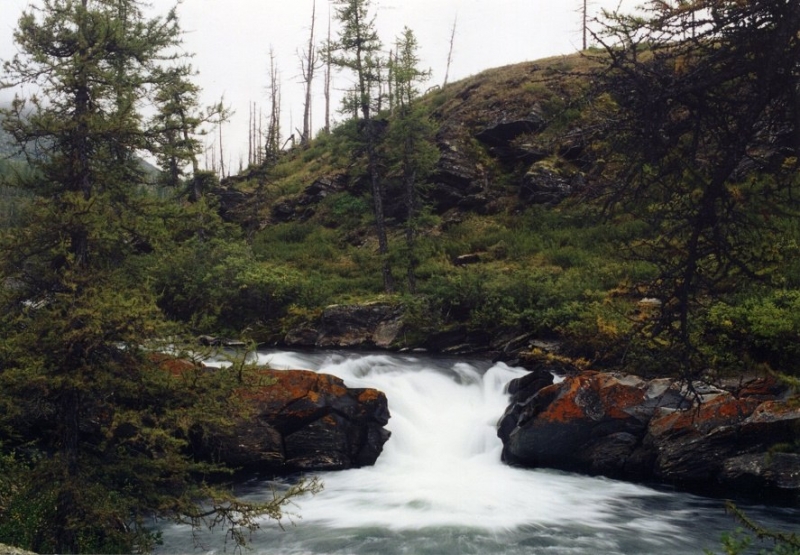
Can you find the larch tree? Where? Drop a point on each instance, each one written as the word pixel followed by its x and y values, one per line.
pixel 272 146
pixel 410 139
pixel 358 49
pixel 309 63
pixel 702 100
pixel 100 430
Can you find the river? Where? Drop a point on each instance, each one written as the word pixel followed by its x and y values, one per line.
pixel 440 488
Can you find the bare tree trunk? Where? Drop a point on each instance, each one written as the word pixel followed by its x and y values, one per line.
pixel 273 146
pixel 308 65
pixel 390 81
pixel 585 24
pixel 250 135
pixel 221 155
pixel 450 51
pixel 260 136
pixel 328 64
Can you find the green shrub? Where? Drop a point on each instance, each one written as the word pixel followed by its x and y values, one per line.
pixel 218 285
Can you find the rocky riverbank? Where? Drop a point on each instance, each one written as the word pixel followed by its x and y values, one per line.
pixel 735 440
pixel 295 421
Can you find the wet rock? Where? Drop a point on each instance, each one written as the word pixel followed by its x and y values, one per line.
pixel 301 421
pixel 561 425
pixel 458 341
pixel 703 438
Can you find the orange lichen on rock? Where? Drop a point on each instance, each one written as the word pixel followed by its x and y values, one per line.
pixel 771 411
pixel 284 386
pixel 591 395
pixel 370 395
pixel 720 410
pixel 564 408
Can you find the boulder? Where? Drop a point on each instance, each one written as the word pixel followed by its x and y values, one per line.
pixel 623 426
pixel 300 421
pixel 369 325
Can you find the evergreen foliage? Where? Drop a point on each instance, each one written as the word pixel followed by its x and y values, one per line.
pixel 410 140
pixel 703 132
pixel 94 431
pixel 358 50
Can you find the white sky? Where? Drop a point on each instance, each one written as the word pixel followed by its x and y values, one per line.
pixel 231 40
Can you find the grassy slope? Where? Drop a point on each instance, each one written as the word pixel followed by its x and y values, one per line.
pixel 541 270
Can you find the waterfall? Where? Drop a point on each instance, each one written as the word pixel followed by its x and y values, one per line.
pixel 440 487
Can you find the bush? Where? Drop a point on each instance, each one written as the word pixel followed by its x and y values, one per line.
pixel 218 286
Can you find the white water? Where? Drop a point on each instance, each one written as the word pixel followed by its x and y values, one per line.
pixel 440 487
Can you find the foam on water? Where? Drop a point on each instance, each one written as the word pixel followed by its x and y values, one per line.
pixel 442 465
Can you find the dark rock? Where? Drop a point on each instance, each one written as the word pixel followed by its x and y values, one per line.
pixel 301 421
pixel 283 211
pixel 500 138
pixel 626 427
pixel 562 424
pixel 544 185
pixel 321 188
pixel 455 177
pixel 504 132
pixel 763 471
pixel 370 325
pixel 231 201
pixel 458 341
pixel 529 385
pixel 302 206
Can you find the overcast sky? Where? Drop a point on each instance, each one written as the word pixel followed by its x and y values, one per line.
pixel 232 39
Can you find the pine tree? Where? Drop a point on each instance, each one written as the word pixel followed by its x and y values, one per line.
pixel 100 428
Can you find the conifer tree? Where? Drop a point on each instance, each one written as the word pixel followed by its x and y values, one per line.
pixel 705 134
pixel 100 428
pixel 410 138
pixel 358 50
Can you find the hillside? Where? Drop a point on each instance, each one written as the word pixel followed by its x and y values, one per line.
pixel 522 246
pixel 500 252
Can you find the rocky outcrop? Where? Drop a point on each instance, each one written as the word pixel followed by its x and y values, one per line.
pixel 630 428
pixel 501 139
pixel 300 421
pixel 370 325
pixel 544 185
pixel 303 206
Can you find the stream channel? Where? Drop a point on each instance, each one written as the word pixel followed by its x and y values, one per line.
pixel 440 488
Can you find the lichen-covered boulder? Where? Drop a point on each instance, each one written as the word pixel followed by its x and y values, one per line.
pixel 591 422
pixel 701 438
pixel 300 421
